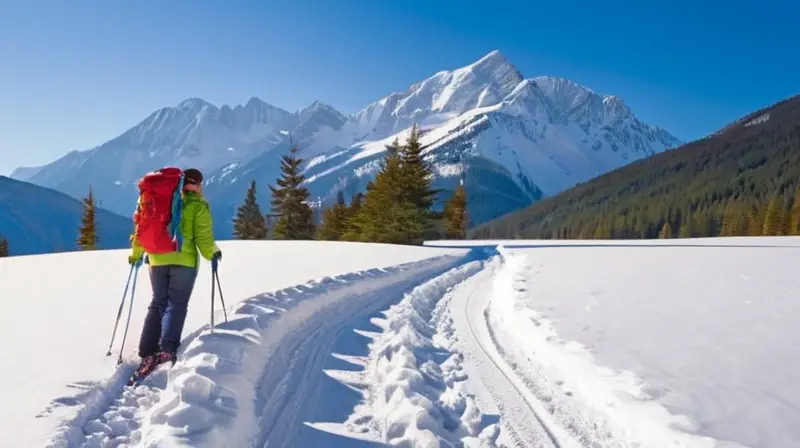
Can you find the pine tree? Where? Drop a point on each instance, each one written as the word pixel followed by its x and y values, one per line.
pixel 455 215
pixel 733 220
pixel 3 247
pixel 417 173
pixel 772 221
pixel 87 237
pixel 355 204
pixel 603 230
pixel 349 231
pixel 785 223
pixel 334 220
pixel 387 215
pixel 250 223
pixel 417 177
pixel 666 231
pixel 755 221
pixel 687 227
pixel 290 201
pixel 794 214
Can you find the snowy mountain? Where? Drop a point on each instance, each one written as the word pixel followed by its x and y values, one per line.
pixel 516 139
pixel 25 172
pixel 40 220
pixel 350 344
pixel 194 133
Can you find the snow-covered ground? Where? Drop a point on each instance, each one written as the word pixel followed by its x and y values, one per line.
pixel 59 313
pixel 673 343
pixel 652 340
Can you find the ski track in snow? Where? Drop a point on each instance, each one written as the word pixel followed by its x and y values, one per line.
pixel 454 360
pixel 433 377
pixel 523 419
pixel 273 349
pixel 592 405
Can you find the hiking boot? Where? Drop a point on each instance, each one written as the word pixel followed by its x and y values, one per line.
pixel 162 357
pixel 150 363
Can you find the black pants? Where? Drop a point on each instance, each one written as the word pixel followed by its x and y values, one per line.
pixel 172 288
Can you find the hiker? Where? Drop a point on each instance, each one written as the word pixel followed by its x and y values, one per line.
pixel 173 267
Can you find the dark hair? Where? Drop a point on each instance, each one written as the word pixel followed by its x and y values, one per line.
pixel 193 176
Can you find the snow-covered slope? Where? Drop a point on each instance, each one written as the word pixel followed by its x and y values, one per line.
pixel 40 220
pixel 538 343
pixel 518 139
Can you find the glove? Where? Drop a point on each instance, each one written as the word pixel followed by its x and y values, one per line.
pixel 215 259
pixel 134 261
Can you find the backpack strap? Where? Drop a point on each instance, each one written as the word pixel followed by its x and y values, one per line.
pixel 177 212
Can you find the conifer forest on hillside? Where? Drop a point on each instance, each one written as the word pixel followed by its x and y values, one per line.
pixel 741 181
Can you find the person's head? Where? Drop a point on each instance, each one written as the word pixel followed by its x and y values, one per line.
pixel 193 180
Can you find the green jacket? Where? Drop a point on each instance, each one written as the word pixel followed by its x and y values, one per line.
pixel 196 228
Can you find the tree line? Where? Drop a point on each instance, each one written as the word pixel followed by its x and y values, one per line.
pixel 397 206
pixel 87 238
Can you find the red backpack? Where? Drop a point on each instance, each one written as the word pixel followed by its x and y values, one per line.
pixel 158 215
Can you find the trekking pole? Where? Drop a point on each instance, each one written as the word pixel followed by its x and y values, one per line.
pixel 213 288
pixel 130 311
pixel 215 283
pixel 221 299
pixel 119 311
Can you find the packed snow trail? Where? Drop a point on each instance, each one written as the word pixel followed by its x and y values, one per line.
pixel 272 348
pixel 434 378
pixel 523 417
pixel 409 396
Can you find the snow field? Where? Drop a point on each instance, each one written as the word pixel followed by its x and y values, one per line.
pixel 413 388
pixel 705 329
pixel 60 309
pixel 670 343
pixel 597 405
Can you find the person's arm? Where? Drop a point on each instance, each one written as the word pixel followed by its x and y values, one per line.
pixel 137 251
pixel 204 232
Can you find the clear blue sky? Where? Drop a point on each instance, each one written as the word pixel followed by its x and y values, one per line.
pixel 74 74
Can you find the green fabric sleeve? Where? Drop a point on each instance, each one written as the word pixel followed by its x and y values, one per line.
pixel 203 231
pixel 137 251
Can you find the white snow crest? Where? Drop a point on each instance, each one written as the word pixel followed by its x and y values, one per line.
pixel 415 399
pixel 597 404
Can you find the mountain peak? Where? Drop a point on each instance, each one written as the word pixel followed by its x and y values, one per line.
pixel 255 101
pixel 193 104
pixel 323 113
pixel 491 58
pixel 495 65
pixel 317 104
